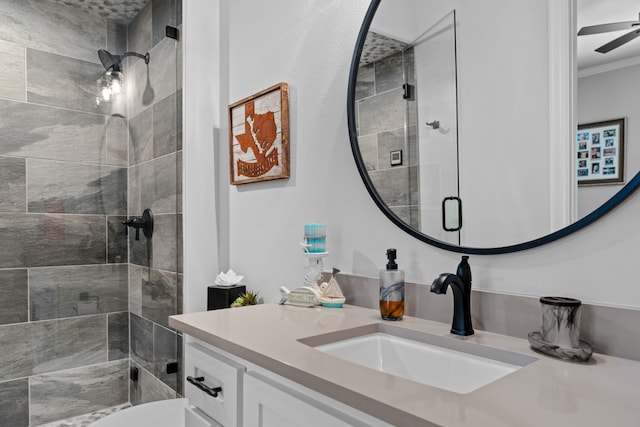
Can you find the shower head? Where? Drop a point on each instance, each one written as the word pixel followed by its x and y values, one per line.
pixel 112 62
pixel 109 60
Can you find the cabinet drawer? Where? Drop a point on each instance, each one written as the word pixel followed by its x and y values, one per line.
pixel 209 371
pixel 193 418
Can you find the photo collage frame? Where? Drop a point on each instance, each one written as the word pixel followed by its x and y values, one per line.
pixel 600 152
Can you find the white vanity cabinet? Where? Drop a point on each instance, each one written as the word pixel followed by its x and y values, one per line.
pixel 252 396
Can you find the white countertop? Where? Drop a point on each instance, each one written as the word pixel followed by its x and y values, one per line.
pixel 604 391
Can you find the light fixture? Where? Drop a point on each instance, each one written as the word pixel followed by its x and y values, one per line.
pixel 111 83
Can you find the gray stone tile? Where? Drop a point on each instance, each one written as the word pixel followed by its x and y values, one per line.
pixel 392 185
pixel 117 250
pixel 116 37
pixel 179 58
pixel 389 73
pixel 74 392
pixel 118 335
pixel 14 296
pixel 164 243
pixel 135 202
pixel 414 185
pixel 37 131
pixel 148 388
pixel 402 212
pixel 13 176
pixel 382 112
pixel 180 296
pixel 369 150
pixel 136 275
pixel 49 346
pixel 148 84
pixel 117 141
pixel 14 403
pixel 140 30
pixel 52 28
pixel 141 251
pixel 165 126
pixel 180 260
pixel 164 13
pixel 59 187
pixel 159 296
pixel 141 137
pixel 165 350
pixel 141 341
pixel 59 292
pixel 412 142
pixel 388 141
pixel 409 59
pixel 12 75
pixel 179 192
pixel 365 83
pixel 158 184
pixel 46 240
pixel 75 87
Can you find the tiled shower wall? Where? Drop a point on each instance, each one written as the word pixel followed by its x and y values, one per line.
pixel 65 168
pixel 155 169
pixel 386 123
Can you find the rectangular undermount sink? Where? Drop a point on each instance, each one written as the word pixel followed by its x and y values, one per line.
pixel 439 361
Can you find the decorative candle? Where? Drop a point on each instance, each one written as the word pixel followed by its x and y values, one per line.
pixel 315 237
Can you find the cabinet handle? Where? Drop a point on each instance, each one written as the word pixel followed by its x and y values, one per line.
pixel 199 383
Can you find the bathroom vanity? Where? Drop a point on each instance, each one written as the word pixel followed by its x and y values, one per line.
pixel 281 379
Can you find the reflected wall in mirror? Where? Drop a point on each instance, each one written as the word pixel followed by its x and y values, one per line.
pixel 468 91
pixel 608 85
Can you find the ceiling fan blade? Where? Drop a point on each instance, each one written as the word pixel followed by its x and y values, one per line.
pixel 605 28
pixel 618 42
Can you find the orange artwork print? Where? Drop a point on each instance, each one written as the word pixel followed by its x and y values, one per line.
pixel 259 136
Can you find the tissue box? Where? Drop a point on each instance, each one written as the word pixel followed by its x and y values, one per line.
pixel 222 297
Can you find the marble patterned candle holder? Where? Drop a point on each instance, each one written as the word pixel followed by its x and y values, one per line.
pixel 561 321
pixel 560 335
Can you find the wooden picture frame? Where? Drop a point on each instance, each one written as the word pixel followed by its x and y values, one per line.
pixel 259 136
pixel 600 152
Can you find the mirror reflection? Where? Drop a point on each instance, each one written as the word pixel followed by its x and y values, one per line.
pixel 453 99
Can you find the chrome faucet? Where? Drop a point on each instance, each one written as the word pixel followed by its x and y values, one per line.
pixel 461 285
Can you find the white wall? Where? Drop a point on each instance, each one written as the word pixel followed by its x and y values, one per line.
pixel 201 107
pixel 606 96
pixel 309 45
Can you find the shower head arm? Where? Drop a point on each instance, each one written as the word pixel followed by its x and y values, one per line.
pixel 146 56
pixel 112 62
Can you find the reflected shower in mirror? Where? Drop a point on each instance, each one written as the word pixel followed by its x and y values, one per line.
pixel 462 104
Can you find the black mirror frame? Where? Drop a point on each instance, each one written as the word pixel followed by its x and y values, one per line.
pixel 614 201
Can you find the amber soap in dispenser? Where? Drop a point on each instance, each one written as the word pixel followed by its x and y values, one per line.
pixel 391 289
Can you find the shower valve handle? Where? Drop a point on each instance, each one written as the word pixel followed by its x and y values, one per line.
pixel 144 222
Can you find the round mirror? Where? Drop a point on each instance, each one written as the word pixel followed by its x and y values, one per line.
pixel 451 109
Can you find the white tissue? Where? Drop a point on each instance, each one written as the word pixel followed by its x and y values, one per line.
pixel 229 278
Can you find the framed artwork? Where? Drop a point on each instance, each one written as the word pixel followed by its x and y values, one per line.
pixel 600 152
pixel 259 136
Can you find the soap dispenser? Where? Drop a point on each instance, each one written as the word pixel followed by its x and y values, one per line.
pixel 391 289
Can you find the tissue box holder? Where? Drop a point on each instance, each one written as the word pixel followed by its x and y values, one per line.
pixel 221 297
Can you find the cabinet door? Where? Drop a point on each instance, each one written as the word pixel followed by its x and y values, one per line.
pixel 268 403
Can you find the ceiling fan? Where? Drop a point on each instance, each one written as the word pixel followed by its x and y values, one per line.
pixel 616 26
